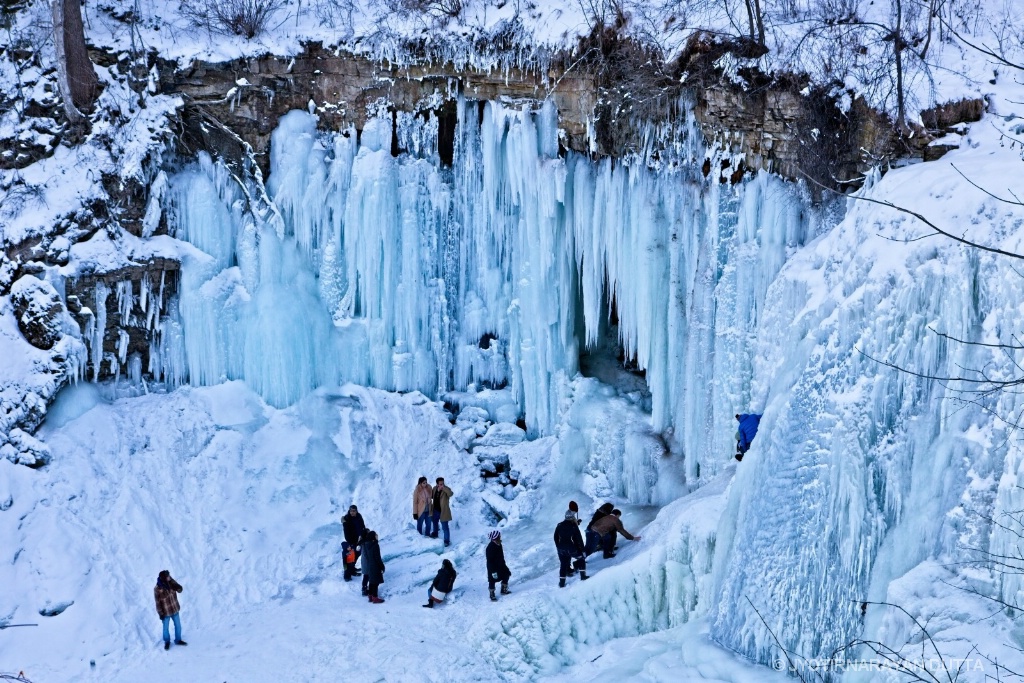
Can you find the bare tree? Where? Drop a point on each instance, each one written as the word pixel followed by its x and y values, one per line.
pixel 75 74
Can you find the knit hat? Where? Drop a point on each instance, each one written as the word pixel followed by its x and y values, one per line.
pixel 494 535
pixel 570 515
pixel 574 506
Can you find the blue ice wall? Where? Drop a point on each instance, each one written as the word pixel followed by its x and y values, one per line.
pixel 391 271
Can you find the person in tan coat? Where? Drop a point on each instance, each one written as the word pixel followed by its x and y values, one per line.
pixel 607 528
pixel 422 510
pixel 442 512
pixel 165 592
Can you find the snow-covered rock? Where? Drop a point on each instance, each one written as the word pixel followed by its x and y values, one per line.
pixel 500 434
pixel 39 311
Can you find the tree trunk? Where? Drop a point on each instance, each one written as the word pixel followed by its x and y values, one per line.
pixel 750 19
pixel 75 74
pixel 759 17
pixel 897 46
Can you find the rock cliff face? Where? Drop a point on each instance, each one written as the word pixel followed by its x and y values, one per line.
pixel 773 126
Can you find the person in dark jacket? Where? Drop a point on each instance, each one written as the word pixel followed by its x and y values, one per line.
pixel 442 585
pixel 569 544
pixel 497 570
pixel 165 592
pixel 594 538
pixel 748 424
pixel 608 527
pixel 373 564
pixel 362 565
pixel 352 524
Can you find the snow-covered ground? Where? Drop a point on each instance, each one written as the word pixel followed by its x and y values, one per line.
pixel 242 501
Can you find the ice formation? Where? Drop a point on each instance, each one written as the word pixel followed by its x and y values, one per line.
pixel 403 273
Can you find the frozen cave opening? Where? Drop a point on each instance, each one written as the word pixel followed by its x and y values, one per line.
pixel 607 360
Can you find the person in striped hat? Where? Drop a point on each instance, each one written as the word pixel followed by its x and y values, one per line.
pixel 497 570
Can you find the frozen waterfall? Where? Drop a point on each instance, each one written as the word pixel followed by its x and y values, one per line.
pixel 403 273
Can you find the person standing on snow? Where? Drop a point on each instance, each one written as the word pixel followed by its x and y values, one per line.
pixel 422 500
pixel 354 527
pixel 442 511
pixel 745 433
pixel 362 565
pixel 607 527
pixel 497 570
pixel 569 544
pixel 442 584
pixel 594 538
pixel 373 564
pixel 165 592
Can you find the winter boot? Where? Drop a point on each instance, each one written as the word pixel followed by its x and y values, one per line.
pixel 375 600
pixel 167 645
pixel 505 590
pixel 609 555
pixel 180 642
pixel 429 604
pixel 583 576
pixel 561 582
pixel 494 598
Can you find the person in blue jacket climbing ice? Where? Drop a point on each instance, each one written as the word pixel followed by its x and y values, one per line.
pixel 746 432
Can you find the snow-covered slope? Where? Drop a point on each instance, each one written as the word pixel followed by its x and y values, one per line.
pixel 242 502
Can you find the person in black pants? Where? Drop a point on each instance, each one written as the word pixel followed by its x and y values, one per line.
pixel 354 528
pixel 569 544
pixel 442 585
pixel 374 566
pixel 497 570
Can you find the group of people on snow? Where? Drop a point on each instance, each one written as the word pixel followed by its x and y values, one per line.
pixel 362 545
pixel 431 507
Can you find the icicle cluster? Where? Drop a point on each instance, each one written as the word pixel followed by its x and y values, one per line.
pixel 141 305
pixel 404 273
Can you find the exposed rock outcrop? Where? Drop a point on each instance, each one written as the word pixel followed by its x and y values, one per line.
pixel 39 311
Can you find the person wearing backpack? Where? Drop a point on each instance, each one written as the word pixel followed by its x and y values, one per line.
pixel 442 584
pixel 497 570
pixel 569 544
